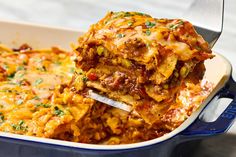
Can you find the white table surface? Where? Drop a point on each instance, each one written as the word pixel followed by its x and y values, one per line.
pixel 79 14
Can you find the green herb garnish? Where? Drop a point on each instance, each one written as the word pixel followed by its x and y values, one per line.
pixel 127 14
pixel 58 112
pixel 43 105
pixel 148 32
pixel 46 105
pixel 72 70
pixel 122 14
pixel 142 14
pixel 21 122
pixel 20 75
pixel 120 35
pixel 19 126
pixel 150 24
pixel 139 13
pixel 130 23
pixel 38 81
pixel 176 25
pixel 36 98
pixel 84 79
pixel 1 117
pixel 6 90
pixel 11 76
pixel 21 67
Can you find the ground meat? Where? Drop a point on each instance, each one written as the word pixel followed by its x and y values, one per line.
pixel 135 46
pixel 116 81
pixel 125 84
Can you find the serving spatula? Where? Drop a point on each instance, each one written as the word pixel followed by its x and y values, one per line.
pixel 207 17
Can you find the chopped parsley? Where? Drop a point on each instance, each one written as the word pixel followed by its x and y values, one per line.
pixel 43 105
pixel 148 32
pixel 142 14
pixel 11 76
pixel 21 75
pixel 176 25
pixel 36 98
pixel 122 14
pixel 139 13
pixel 120 35
pixel 38 81
pixel 84 79
pixel 150 24
pixel 130 23
pixel 21 67
pixel 58 112
pixel 106 21
pixel 7 91
pixel 19 126
pixel 1 117
pixel 127 14
pixel 72 70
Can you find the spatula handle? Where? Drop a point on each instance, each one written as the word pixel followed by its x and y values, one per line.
pixel 207 17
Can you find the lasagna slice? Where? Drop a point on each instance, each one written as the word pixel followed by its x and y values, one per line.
pixel 142 61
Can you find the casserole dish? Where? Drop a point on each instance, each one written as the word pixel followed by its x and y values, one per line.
pixel 14 34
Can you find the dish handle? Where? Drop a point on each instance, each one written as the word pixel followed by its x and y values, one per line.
pixel 200 128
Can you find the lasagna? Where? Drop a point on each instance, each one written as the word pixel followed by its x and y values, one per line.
pixel 142 61
pixel 153 65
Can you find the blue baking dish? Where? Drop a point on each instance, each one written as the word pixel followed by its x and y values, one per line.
pixel 218 71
